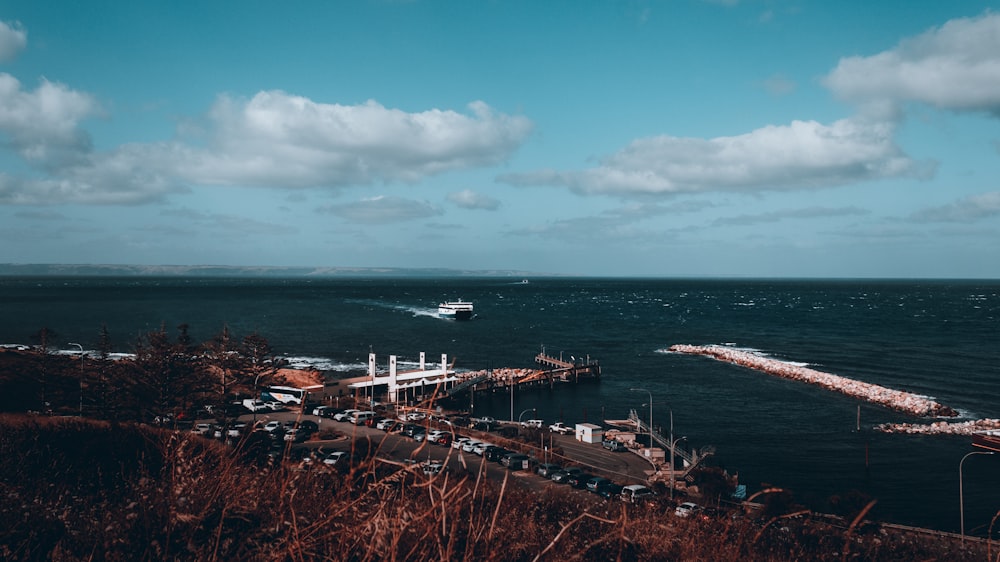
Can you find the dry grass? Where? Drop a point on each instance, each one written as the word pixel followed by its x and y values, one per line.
pixel 78 490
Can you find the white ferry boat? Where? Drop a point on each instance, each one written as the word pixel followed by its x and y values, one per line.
pixel 455 310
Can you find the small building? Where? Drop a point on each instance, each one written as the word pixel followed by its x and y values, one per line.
pixel 589 433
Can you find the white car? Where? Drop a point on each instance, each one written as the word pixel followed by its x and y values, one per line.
pixel 414 416
pixel 560 428
pixel 537 424
pixel 202 429
pixel 236 430
pixel 335 458
pixel 470 445
pixel 685 509
pixel 478 448
pixel 272 426
pixel 345 415
pixel 433 436
pixel 459 442
pixel 432 467
pixel 385 424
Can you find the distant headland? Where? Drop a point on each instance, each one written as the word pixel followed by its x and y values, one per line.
pixel 116 270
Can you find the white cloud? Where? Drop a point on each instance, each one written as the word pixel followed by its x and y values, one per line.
pixel 13 38
pixel 975 207
pixel 955 66
pixel 382 209
pixel 280 140
pixel 43 125
pixel 273 140
pixel 804 154
pixel 803 213
pixel 468 199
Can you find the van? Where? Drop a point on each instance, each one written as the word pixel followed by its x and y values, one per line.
pixel 637 493
pixel 359 418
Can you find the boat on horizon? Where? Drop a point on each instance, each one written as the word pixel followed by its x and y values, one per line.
pixel 455 310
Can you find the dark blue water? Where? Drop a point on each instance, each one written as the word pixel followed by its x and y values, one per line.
pixel 934 338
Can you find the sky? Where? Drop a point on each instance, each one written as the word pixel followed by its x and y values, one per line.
pixel 670 138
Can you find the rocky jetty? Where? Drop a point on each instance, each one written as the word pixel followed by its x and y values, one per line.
pixel 970 427
pixel 894 399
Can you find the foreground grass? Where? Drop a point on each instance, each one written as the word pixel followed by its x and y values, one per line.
pixel 83 490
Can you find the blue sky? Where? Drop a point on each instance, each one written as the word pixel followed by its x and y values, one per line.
pixel 626 138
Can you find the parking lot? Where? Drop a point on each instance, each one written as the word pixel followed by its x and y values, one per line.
pixel 622 468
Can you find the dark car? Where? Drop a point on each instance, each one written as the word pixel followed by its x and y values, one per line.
pixel 563 476
pixel 515 461
pixel 546 469
pixel 485 426
pixel 494 453
pixel 579 480
pixel 595 484
pixel 412 429
pixel 611 492
pixel 373 421
pixel 308 426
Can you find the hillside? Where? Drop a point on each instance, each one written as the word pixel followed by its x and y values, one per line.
pixel 81 490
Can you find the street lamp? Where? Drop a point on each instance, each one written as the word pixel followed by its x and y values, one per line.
pixel 650 412
pixel 522 415
pixel 961 498
pixel 672 480
pixel 81 376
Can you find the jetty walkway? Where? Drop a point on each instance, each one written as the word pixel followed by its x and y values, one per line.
pixel 894 399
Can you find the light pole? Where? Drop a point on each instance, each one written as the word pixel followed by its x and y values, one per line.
pixel 81 376
pixel 961 498
pixel 672 480
pixel 650 412
pixel 522 415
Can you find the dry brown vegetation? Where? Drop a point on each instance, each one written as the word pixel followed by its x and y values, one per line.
pixel 87 490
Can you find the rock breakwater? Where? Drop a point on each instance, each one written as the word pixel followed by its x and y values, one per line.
pixel 894 399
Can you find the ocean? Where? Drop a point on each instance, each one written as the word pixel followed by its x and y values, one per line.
pixel 933 338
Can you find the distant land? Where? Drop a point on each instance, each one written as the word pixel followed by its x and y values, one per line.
pixel 111 270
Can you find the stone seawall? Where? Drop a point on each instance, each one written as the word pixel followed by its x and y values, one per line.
pixel 894 399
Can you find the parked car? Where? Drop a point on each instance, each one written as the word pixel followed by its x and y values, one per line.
pixel 321 411
pixel 515 461
pixel 637 493
pixel 386 424
pixel 480 447
pixel 459 441
pixel 276 406
pixel 611 491
pixel 579 480
pixel 685 509
pixel 411 428
pixel 444 440
pixel 202 429
pixel 296 435
pixel 546 469
pixel 420 435
pixel 255 405
pixel 563 476
pixel 373 421
pixel 469 445
pixel 537 424
pixel 596 483
pixel 236 430
pixel 431 468
pixel 272 426
pixel 336 457
pixel 494 453
pixel 560 428
pixel 436 434
pixel 308 426
pixel 614 445
pixel 344 415
pixel 414 416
